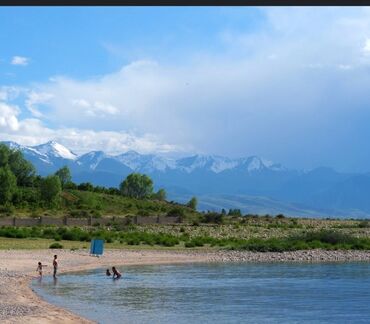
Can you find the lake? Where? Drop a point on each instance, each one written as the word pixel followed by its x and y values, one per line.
pixel 217 293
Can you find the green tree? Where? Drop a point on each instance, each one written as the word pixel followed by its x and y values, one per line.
pixel 64 175
pixel 160 195
pixel 23 170
pixel 4 155
pixel 192 203
pixel 50 189
pixel 137 185
pixel 8 185
pixel 235 212
pixel 85 186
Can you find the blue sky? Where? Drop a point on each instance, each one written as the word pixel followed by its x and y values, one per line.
pixel 288 84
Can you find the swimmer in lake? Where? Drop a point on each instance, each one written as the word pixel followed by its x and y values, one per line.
pixel 116 273
pixel 108 273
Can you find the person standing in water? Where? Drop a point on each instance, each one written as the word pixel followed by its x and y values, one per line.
pixel 55 266
pixel 108 273
pixel 116 273
pixel 40 267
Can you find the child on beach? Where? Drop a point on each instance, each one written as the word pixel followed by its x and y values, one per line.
pixel 116 273
pixel 39 268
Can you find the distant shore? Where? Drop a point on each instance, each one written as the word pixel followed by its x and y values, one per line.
pixel 19 304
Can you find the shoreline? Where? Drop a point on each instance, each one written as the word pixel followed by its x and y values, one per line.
pixel 20 304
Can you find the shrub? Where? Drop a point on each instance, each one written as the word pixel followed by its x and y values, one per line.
pixel 364 224
pixel 213 217
pixel 56 245
pixel 190 244
pixel 176 211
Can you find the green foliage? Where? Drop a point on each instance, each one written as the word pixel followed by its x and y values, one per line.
pixel 177 212
pixel 213 217
pixel 23 170
pixel 56 245
pixel 50 189
pixel 8 184
pixel 64 175
pixel 137 185
pixel 4 155
pixel 132 236
pixel 160 195
pixel 70 185
pixel 311 240
pixel 85 186
pixel 364 224
pixel 33 195
pixel 192 203
pixel 280 216
pixel 235 212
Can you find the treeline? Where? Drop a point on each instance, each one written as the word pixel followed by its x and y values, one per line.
pixel 20 186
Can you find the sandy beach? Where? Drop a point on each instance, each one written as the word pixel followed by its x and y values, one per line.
pixel 19 304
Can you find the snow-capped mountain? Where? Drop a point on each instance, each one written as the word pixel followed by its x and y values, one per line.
pixel 212 163
pixel 55 154
pixel 255 163
pixel 145 162
pixel 91 160
pixel 45 157
pixel 53 149
pixel 211 176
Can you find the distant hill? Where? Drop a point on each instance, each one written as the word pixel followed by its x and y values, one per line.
pixel 252 184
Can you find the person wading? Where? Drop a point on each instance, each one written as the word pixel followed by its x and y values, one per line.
pixel 55 266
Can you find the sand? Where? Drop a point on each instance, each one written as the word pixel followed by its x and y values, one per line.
pixel 19 304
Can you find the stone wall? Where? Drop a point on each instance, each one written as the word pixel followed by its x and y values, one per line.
pixel 69 221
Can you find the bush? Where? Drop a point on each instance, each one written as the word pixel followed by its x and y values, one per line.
pixel 364 224
pixel 56 245
pixel 325 236
pixel 177 211
pixel 213 217
pixel 190 244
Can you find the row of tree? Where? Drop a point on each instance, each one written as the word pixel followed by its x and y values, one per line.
pixel 16 172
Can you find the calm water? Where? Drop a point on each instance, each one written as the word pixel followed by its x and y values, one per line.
pixel 204 293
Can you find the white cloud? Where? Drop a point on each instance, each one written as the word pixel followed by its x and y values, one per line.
pixel 95 109
pixel 8 117
pixel 20 60
pixel 271 92
pixel 367 47
pixel 34 99
pixel 31 131
pixel 8 93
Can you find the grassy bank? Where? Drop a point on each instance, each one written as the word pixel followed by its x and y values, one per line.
pixel 82 204
pixel 253 234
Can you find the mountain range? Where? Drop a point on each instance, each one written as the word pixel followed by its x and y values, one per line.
pixel 253 184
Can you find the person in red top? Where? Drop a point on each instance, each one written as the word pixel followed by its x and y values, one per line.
pixel 55 266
